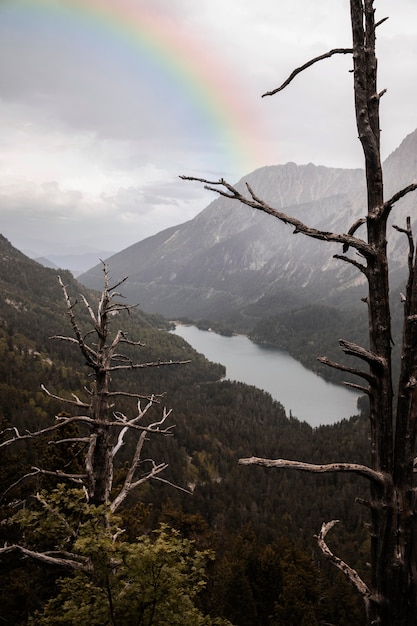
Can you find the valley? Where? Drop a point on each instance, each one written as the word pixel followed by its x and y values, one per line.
pixel 240 513
pixel 236 271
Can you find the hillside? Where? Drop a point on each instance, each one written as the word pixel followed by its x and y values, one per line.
pixel 234 265
pixel 33 310
pixel 256 521
pixel 229 258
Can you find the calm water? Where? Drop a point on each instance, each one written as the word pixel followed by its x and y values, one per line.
pixel 299 390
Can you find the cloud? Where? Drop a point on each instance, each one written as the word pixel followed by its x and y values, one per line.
pixel 52 220
pixel 92 140
pixel 60 188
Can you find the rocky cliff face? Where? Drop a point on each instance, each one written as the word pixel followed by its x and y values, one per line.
pixel 231 259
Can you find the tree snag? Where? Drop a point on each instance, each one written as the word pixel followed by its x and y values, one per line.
pixel 391 597
pixel 104 429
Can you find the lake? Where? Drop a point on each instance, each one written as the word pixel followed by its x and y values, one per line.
pixel 306 395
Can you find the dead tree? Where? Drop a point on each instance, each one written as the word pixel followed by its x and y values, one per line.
pixel 391 594
pixel 103 429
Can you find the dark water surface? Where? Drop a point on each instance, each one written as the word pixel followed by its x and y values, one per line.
pixel 306 395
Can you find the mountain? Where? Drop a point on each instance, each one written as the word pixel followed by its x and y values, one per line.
pixel 45 262
pixel 251 519
pixel 33 311
pixel 76 263
pixel 234 263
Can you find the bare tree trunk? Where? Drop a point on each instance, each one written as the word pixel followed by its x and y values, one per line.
pixel 393 584
pixel 391 596
pixel 103 429
pixel 106 428
pixel 99 463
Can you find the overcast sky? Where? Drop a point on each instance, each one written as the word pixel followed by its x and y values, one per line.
pixel 103 103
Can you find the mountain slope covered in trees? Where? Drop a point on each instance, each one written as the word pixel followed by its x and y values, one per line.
pixel 267 570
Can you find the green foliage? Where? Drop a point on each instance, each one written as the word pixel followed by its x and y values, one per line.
pixel 149 582
pixel 152 580
pixel 56 517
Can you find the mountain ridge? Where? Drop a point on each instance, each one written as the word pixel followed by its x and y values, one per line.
pixel 230 261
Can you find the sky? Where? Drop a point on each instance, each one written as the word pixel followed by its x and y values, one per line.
pixel 104 103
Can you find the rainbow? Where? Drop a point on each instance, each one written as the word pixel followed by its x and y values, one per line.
pixel 188 68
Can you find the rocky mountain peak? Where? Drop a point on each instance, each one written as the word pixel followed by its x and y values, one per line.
pixel 231 261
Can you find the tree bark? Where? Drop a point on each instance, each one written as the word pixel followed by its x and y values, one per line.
pixel 391 596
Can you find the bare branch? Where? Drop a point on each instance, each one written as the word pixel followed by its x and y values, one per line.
pixel 129 484
pixel 74 562
pixel 388 205
pixel 156 469
pixel 366 390
pixel 299 227
pixel 352 230
pixel 69 440
pixel 85 349
pixel 120 441
pixel 352 468
pixel 135 366
pixel 347 259
pixel 116 285
pixel 381 21
pixel 75 402
pixel 12 429
pixel 122 420
pixel 411 248
pixel 350 573
pixel 117 338
pixel 354 349
pixel 298 70
pixel 138 396
pixel 125 339
pixel 90 310
pixel 76 478
pixel 17 482
pixel 345 368
pixel 168 482
pixel 139 427
pixel 44 431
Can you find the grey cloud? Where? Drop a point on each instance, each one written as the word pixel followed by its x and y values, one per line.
pixel 142 201
pixel 87 87
pixel 122 122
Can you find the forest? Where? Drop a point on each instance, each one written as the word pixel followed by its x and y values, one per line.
pixel 231 544
pixel 312 330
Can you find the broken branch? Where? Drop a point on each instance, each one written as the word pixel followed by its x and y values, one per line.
pixel 353 468
pixel 348 571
